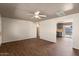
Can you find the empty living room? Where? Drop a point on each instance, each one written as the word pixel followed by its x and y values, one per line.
pixel 39 29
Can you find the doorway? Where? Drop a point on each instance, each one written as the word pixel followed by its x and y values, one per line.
pixel 64 30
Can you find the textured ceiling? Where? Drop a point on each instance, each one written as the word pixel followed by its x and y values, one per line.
pixel 20 10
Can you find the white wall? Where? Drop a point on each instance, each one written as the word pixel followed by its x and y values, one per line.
pixel 48 30
pixel 15 29
pixel 76 31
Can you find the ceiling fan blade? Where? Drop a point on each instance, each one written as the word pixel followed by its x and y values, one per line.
pixel 36 17
pixel 42 15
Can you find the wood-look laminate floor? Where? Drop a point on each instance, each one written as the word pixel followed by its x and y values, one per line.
pixel 38 47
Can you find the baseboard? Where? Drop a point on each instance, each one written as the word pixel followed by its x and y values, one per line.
pixel 48 41
pixel 15 41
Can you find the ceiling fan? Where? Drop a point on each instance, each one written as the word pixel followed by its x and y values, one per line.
pixel 37 15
